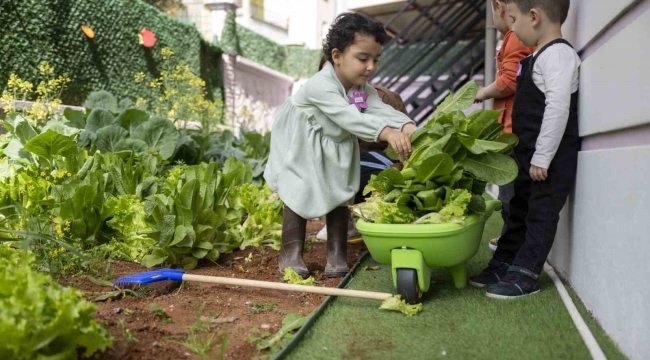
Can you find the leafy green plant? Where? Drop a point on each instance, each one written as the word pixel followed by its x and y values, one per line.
pixel 275 342
pixel 127 334
pixel 261 308
pixel 263 224
pixel 189 221
pixel 196 146
pixel 183 95
pixel 160 314
pixel 132 130
pixel 39 318
pixel 202 343
pixel 47 95
pixel 454 156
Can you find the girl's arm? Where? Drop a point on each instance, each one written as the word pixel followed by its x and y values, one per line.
pixel 328 97
pixel 395 119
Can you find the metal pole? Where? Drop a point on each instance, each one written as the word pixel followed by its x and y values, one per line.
pixel 490 51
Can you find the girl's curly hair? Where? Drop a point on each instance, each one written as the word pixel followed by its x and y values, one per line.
pixel 344 29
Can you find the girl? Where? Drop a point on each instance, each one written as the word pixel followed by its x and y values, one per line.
pixel 314 161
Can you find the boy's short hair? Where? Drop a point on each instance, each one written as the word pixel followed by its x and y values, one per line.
pixel 555 10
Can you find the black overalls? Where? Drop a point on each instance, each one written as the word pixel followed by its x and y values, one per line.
pixel 536 205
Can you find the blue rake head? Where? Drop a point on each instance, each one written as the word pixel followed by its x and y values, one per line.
pixel 150 277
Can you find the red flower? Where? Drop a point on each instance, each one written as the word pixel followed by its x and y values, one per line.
pixel 147 38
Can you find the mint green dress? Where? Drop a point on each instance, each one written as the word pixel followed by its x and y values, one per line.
pixel 314 160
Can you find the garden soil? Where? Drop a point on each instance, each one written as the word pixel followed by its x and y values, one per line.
pixel 141 333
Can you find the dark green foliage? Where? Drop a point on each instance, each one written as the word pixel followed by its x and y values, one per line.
pixel 35 31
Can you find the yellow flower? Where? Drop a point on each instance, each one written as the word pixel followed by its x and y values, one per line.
pixel 59 231
pixel 47 178
pixel 31 187
pixel 47 168
pixel 12 82
pixel 166 52
pixel 69 174
pixel 45 68
pixel 43 173
pixel 139 77
pixel 8 101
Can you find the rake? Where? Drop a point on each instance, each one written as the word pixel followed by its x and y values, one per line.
pixel 180 275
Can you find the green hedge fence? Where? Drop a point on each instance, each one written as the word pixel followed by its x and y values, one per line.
pixel 34 31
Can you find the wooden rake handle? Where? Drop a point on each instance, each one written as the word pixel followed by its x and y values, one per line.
pixel 287 287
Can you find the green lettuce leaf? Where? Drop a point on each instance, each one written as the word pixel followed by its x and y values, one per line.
pixel 108 137
pixel 159 134
pixel 460 100
pixel 101 99
pixel 40 319
pixel 49 144
pixel 456 204
pixel 495 168
pixel 292 277
pixel 395 303
pixel 98 119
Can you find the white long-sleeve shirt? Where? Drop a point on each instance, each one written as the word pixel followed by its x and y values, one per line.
pixel 556 73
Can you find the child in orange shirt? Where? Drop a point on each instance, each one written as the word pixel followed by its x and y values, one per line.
pixel 503 89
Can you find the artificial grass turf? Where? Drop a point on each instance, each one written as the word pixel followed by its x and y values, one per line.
pixel 455 323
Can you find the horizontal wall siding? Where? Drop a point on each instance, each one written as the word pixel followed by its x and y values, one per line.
pixel 588 17
pixel 615 82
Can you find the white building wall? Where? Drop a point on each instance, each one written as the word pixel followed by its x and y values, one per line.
pixel 603 237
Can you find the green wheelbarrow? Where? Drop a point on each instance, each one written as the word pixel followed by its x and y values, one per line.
pixel 413 249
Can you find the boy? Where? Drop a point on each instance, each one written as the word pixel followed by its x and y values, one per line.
pixel 545 117
pixel 511 52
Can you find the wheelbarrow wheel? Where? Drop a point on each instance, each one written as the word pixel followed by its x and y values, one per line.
pixel 407 286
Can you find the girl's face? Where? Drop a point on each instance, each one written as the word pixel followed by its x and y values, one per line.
pixel 358 62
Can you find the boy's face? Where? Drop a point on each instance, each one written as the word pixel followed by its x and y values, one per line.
pixel 523 24
pixel 500 17
pixel 358 63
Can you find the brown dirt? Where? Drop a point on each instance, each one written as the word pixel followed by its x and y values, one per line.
pixel 156 338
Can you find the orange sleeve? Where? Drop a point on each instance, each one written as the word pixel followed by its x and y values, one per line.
pixel 513 52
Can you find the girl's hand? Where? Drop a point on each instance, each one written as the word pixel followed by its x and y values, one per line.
pixel 409 129
pixel 400 141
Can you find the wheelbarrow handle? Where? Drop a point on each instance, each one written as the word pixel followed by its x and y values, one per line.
pixel 287 287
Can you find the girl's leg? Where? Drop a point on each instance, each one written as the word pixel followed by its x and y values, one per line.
pixel 293 241
pixel 337 242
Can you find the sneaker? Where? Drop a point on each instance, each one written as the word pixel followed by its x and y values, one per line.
pixel 493 244
pixel 352 231
pixel 322 234
pixel 492 274
pixel 519 282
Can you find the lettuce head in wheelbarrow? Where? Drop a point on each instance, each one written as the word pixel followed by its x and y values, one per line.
pixel 454 157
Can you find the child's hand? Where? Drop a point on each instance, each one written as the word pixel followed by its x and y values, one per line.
pixel 401 143
pixel 537 173
pixel 409 129
pixel 480 97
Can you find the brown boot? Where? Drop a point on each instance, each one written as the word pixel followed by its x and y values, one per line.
pixel 293 241
pixel 337 242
